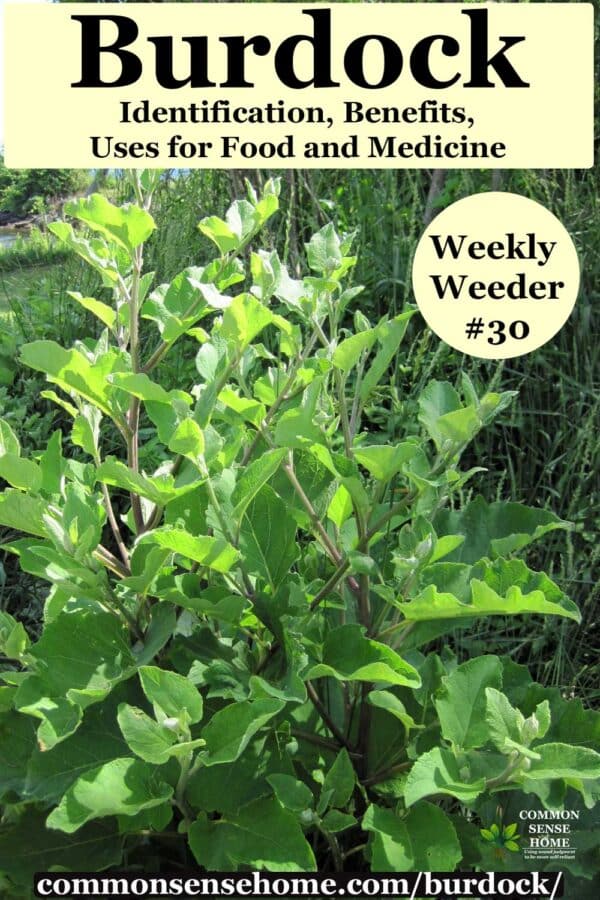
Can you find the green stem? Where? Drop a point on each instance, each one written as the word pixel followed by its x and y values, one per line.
pixel 358 849
pixel 332 550
pixel 409 627
pixel 356 408
pixel 283 396
pixel 388 632
pixel 111 562
pixel 128 618
pixel 248 589
pixel 112 519
pixel 318 741
pixel 156 513
pixel 345 421
pixel 384 774
pixel 328 721
pixel 336 855
pixel 364 722
pixel 504 776
pixel 184 777
pixel 133 416
pixel 330 585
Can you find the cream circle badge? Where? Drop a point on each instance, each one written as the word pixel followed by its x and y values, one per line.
pixel 496 275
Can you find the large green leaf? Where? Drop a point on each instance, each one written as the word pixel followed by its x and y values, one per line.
pixel 564 761
pixel 216 603
pixel 349 351
pixel 9 442
pixel 70 370
pixel 503 720
pixel 97 741
pixel 448 421
pixel 438 400
pixel 335 821
pixel 501 588
pixel 393 705
pixel 14 641
pixel 262 835
pixel 512 584
pixel 297 427
pixel 140 386
pixel 170 693
pixel 53 464
pixel 323 251
pixel 151 741
pixel 220 233
pixel 291 793
pixel 230 730
pixel 315 480
pixel 340 508
pixel 461 702
pixel 17 742
pixel 178 306
pixel 340 780
pixel 437 772
pixel 160 630
pixel 189 511
pixel 347 473
pixel 22 512
pixel 384 461
pixel 228 787
pixel 350 656
pixel 509 729
pixel 159 489
pixel 83 517
pixel 96 251
pixel 249 410
pixel 214 553
pixel 102 311
pixel 268 537
pixel 21 473
pixel 571 722
pixel 144 736
pixel 146 564
pixel 129 225
pixel 242 220
pixel 77 660
pixel 423 841
pixel 188 440
pixel 122 787
pixel 86 430
pixel 27 846
pixel 495 529
pixel 389 336
pixel 459 427
pixel 243 320
pixel 253 477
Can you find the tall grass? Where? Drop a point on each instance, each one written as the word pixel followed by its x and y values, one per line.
pixel 34 248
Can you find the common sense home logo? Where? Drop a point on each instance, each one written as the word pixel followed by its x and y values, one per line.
pixel 549 833
pixel 539 834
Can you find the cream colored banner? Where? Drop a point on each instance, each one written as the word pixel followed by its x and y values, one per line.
pixel 281 85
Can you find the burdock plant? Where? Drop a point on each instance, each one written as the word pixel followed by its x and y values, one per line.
pixel 235 666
